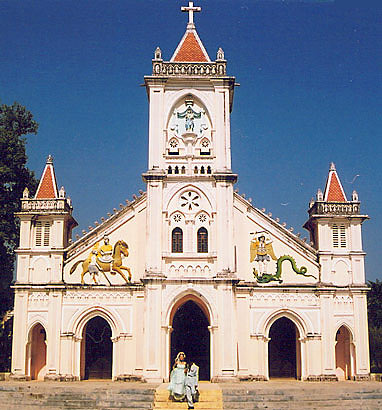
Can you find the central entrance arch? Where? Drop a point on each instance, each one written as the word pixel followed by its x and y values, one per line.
pixel 191 335
pixel 96 350
pixel 284 353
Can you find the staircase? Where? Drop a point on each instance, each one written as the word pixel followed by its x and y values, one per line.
pixel 77 395
pixel 303 395
pixel 210 398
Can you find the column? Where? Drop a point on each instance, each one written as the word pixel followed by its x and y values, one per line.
pixel 53 335
pixel 328 338
pixel 20 337
pixel 313 359
pixel 227 336
pixel 154 223
pixel 361 335
pixel 152 336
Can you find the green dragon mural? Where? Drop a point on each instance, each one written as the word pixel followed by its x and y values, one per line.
pixel 266 277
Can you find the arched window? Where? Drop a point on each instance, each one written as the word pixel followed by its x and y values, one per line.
pixel 202 240
pixel 177 241
pixel 169 170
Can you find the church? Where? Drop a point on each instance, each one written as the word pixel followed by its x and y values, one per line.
pixel 190 265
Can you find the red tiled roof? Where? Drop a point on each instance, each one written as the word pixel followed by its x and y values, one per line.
pixel 190 50
pixel 334 191
pixel 47 187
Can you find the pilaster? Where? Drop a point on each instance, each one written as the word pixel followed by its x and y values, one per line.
pixel 20 336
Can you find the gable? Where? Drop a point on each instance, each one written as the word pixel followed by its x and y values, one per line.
pixel 276 254
pixel 126 230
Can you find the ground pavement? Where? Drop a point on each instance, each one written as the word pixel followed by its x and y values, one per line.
pixel 107 395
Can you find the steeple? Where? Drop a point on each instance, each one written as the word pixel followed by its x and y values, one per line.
pixel 47 188
pixel 334 191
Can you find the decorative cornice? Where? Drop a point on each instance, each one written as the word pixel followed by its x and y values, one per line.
pixel 153 176
pixel 225 177
pixel 320 208
pixel 45 206
pixel 189 69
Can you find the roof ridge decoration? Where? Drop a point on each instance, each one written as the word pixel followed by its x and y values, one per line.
pixel 334 192
pixel 190 57
pixel 190 48
pixel 47 187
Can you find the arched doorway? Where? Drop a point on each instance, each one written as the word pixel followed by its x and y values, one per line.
pixel 191 335
pixel 284 354
pixel 36 356
pixel 96 350
pixel 343 354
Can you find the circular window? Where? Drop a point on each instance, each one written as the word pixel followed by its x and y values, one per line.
pixel 189 201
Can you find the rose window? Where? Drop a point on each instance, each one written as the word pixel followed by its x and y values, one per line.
pixel 177 217
pixel 205 143
pixel 173 143
pixel 202 218
pixel 189 200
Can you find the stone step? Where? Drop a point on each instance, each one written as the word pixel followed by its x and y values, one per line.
pixel 48 396
pixel 308 405
pixel 210 398
pixel 183 405
pixel 204 395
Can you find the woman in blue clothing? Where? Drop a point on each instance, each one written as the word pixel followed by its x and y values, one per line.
pixel 178 377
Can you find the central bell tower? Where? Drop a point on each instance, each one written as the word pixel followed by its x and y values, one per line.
pixel 189 177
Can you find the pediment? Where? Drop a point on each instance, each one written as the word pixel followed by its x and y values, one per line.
pixel 268 253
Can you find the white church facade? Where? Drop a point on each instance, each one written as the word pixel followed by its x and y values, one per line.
pixel 190 265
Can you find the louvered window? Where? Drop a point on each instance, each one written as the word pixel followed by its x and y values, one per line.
pixel 46 233
pixel 339 236
pixel 42 233
pixel 38 233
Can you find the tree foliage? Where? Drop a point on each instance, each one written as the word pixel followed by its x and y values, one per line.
pixel 15 122
pixel 374 305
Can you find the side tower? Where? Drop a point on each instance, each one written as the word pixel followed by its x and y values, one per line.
pixel 46 223
pixel 335 228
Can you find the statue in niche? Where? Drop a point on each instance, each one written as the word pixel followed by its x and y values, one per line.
pixel 189 114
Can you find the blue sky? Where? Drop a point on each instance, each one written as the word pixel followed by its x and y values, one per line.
pixel 310 75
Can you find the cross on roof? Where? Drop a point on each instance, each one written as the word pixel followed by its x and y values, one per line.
pixel 191 9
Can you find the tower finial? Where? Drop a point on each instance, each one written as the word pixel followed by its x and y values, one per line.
pixel 191 9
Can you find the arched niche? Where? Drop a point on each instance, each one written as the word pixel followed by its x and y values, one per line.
pixel 345 354
pixel 188 115
pixel 36 352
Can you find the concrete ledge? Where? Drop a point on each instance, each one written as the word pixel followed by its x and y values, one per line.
pixel 252 378
pixel 60 378
pixel 322 378
pixel 376 377
pixel 4 376
pixel 129 378
pixel 362 377
pixel 19 377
